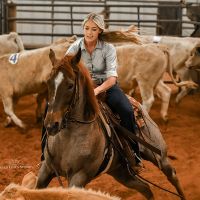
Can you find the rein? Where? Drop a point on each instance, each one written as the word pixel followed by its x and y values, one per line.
pixel 74 99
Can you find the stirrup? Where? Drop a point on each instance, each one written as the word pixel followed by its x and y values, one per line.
pixel 137 157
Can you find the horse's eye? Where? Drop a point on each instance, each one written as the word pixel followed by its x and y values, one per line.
pixel 70 86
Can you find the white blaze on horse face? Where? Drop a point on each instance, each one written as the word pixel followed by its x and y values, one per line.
pixel 58 80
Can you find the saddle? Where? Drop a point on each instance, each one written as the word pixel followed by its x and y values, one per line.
pixel 114 132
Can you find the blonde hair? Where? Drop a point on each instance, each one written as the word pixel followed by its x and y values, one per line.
pixel 96 18
pixel 129 35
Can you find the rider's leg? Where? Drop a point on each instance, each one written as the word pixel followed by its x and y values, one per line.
pixel 119 103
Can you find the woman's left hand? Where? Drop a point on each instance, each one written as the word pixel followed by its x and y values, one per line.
pixel 108 83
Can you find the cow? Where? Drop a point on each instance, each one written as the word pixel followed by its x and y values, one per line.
pixel 27 190
pixel 10 43
pixel 146 64
pixel 184 52
pixel 25 73
pixel 193 61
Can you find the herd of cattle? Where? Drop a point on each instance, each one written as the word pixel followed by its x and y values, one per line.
pixel 24 72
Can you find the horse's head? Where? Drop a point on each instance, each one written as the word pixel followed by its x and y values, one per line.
pixel 62 90
pixel 71 93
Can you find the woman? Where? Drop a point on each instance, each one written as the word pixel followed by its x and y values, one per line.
pixel 100 58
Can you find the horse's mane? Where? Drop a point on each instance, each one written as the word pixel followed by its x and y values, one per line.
pixel 89 88
pixel 86 81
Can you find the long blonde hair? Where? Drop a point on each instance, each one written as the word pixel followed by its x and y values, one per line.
pixel 129 35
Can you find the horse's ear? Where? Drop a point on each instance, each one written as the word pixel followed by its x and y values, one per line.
pixel 76 59
pixel 52 57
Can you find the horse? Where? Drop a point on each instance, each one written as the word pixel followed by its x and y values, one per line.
pixel 76 145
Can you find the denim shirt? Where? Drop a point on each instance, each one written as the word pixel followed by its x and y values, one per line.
pixel 102 63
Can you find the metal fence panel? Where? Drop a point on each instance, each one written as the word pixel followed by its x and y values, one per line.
pixel 42 21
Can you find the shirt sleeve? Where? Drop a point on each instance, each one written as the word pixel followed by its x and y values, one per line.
pixel 111 61
pixel 73 48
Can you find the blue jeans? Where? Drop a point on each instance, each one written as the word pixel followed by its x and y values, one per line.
pixel 119 103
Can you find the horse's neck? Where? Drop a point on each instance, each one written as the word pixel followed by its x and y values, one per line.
pixel 81 110
pixel 78 110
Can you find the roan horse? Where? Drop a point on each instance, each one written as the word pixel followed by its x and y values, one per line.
pixel 76 145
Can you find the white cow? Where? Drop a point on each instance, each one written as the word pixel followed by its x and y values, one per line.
pixel 10 43
pixel 182 51
pixel 146 64
pixel 27 191
pixel 25 73
pixel 193 61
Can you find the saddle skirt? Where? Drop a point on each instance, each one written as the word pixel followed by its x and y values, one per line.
pixel 118 141
pixel 120 138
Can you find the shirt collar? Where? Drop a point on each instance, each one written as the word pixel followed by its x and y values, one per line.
pixel 99 44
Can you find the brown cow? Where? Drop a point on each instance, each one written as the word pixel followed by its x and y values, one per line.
pixel 146 64
pixel 27 191
pixel 10 43
pixel 25 73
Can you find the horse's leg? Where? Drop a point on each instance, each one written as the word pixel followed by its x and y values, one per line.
pixel 39 99
pixel 45 175
pixel 122 175
pixel 170 172
pixel 165 166
pixel 8 108
pixel 80 179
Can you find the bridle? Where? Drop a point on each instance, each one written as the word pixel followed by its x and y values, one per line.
pixel 75 97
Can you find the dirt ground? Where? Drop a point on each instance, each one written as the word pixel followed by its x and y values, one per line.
pixel 20 150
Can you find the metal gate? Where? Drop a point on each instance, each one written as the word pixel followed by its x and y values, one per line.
pixel 3 18
pixel 41 21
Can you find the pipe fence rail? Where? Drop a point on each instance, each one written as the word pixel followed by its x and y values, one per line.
pixel 57 18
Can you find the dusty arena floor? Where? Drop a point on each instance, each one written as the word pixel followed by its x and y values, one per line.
pixel 20 150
